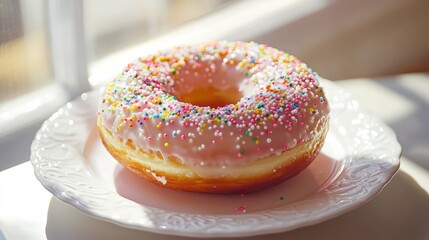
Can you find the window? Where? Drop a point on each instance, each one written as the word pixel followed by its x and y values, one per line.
pixel 25 63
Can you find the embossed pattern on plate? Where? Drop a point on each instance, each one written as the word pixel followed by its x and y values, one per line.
pixel 360 156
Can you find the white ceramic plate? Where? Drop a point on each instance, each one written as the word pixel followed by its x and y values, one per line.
pixel 360 156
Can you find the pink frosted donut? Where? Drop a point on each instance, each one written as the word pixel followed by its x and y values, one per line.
pixel 218 117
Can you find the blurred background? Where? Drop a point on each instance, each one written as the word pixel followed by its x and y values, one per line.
pixel 50 51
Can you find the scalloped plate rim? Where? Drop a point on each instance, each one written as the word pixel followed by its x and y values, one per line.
pixel 58 190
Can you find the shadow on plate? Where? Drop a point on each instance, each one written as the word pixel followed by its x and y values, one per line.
pixel 398 212
pixel 320 172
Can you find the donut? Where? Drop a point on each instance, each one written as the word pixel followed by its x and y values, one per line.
pixel 216 117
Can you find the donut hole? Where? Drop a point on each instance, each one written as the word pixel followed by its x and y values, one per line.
pixel 211 96
pixel 210 83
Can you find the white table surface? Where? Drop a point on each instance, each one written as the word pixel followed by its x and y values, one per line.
pixel 400 211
